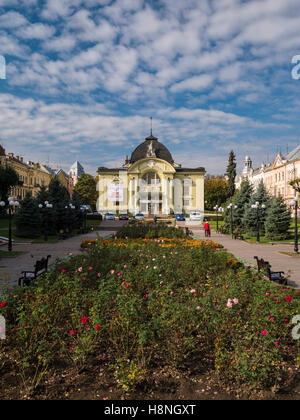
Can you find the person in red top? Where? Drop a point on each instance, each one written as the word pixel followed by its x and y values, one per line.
pixel 207 229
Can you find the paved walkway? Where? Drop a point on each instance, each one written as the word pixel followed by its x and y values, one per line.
pixel 246 251
pixel 10 268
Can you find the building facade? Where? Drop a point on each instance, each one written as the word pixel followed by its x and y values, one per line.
pixel 32 175
pixel 275 176
pixel 74 173
pixel 150 182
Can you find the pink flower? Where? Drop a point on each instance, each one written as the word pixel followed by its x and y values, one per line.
pixel 72 333
pixel 267 293
pixel 99 275
pixel 123 283
pixel 276 343
pixel 127 286
pixel 90 268
pixel 264 332
pixel 119 274
pixel 198 308
pixel 70 347
pixel 271 318
pixel 172 293
pixel 193 291
pixel 161 282
pixel 229 303
pixel 63 271
pixel 112 271
pixel 286 320
pixel 97 327
pixel 146 296
pixel 80 269
pixel 227 287
pixel 235 301
pixel 87 329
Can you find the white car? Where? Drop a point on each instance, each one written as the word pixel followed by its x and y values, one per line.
pixel 139 216
pixel 196 215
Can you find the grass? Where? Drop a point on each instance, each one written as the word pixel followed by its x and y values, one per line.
pixel 12 254
pixel 290 254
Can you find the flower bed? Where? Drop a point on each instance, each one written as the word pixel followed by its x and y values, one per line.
pixel 130 312
pixel 162 242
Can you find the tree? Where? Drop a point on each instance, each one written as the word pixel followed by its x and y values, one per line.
pixel 8 178
pixel 278 220
pixel 231 174
pixel 215 191
pixel 28 219
pixel 295 184
pixel 60 198
pixel 241 199
pixel 249 220
pixel 78 213
pixel 86 189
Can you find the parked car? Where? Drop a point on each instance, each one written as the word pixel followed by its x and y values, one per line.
pixel 86 207
pixel 196 215
pixel 180 217
pixel 109 216
pixel 139 216
pixel 123 216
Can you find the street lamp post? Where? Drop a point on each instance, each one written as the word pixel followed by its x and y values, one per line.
pixel 230 207
pixel 221 210
pixel 69 208
pixel 11 204
pixel 46 205
pixel 294 203
pixel 257 207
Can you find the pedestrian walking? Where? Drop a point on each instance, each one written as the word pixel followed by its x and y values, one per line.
pixel 206 229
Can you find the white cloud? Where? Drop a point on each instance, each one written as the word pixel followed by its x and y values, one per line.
pixel 12 20
pixel 195 83
pixel 36 31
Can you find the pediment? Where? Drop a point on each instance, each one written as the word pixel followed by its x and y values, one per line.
pixel 151 163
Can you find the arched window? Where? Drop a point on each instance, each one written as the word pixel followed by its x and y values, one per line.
pixel 151 178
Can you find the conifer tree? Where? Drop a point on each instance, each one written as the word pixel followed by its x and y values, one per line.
pixel 28 219
pixel 278 220
pixel 231 174
pixel 60 198
pixel 249 220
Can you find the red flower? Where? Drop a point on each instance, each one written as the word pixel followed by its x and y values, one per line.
pixel 98 327
pixel 146 296
pixel 3 304
pixel 286 320
pixel 84 319
pixel 248 267
pixel 288 298
pixel 72 333
pixel 128 285
pixel 63 271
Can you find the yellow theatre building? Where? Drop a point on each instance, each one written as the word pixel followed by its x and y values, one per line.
pixel 150 182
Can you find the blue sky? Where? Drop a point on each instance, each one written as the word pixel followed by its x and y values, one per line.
pixel 83 78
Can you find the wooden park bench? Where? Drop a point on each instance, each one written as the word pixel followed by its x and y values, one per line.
pixel 224 229
pixel 265 267
pixel 40 267
pixel 238 235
